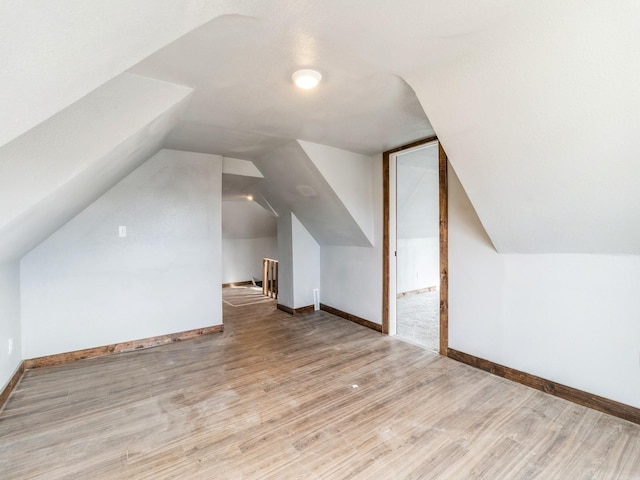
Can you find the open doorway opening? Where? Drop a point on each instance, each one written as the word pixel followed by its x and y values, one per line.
pixel 415 244
pixel 249 236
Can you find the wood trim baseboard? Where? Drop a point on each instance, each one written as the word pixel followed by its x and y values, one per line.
pixel 285 309
pixel 419 291
pixel 129 346
pixel 353 318
pixel 295 311
pixel 246 283
pixel 13 381
pixel 305 309
pixel 595 402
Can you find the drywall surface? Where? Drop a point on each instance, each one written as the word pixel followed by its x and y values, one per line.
pixel 418 263
pixel 249 234
pixel 294 184
pixel 515 112
pixel 235 166
pixel 351 277
pixel 242 257
pixel 10 327
pixel 285 260
pixel 306 264
pixel 349 175
pixel 572 319
pixel 85 286
pixel 56 52
pixel 52 172
pixel 245 219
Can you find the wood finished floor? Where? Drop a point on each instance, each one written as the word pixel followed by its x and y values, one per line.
pixel 274 396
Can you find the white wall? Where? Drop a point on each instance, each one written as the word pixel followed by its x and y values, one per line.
pixel 249 234
pixel 298 263
pixel 49 174
pixel 285 260
pixel 418 263
pixel 351 277
pixel 9 320
pixel 245 219
pixel 306 264
pixel 45 68
pixel 84 286
pixel 349 175
pixel 242 257
pixel 514 108
pixel 569 318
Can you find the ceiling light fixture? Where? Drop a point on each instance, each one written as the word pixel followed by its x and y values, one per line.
pixel 306 78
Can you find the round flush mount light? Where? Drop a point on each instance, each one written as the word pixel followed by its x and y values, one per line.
pixel 306 78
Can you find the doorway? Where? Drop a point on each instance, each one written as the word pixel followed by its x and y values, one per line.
pixel 415 244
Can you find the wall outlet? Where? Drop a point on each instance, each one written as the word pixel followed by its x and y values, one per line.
pixel 10 349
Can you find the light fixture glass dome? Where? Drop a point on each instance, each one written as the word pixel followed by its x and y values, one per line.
pixel 306 78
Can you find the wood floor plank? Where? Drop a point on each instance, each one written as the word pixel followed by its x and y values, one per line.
pixel 309 396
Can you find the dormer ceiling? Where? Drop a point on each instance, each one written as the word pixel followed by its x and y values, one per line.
pixel 240 68
pixel 536 103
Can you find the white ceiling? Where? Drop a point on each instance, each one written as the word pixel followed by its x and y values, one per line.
pixel 245 103
pixel 540 119
pixel 293 183
pixel 536 103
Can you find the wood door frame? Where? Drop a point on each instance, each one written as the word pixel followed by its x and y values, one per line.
pixel 444 239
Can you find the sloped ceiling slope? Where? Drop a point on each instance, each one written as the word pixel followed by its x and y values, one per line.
pixel 350 176
pixel 293 183
pixel 540 118
pixel 55 52
pixel 536 103
pixel 56 169
pixel 244 101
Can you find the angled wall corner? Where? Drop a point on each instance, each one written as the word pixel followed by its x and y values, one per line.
pixel 53 171
pixel 88 285
pixel 10 327
pixel 46 69
pixel 349 175
pixel 285 260
pixel 299 263
pixel 293 183
pixel 544 143
pixel 306 264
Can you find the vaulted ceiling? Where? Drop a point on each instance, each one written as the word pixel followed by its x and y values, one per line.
pixel 536 103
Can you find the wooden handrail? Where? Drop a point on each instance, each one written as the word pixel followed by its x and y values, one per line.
pixel 270 277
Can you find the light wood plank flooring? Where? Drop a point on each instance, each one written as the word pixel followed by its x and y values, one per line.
pixel 309 397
